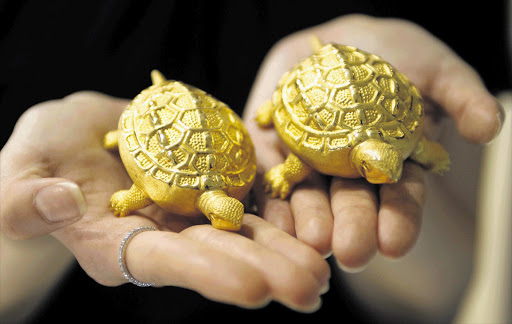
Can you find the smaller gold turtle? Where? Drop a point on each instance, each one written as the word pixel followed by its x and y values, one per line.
pixel 186 151
pixel 348 113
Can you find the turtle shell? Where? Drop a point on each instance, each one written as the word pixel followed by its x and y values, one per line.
pixel 341 96
pixel 180 136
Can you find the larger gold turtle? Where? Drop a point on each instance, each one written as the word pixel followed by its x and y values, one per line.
pixel 186 151
pixel 347 113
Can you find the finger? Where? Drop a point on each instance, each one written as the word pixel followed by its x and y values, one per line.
pixel 107 108
pixel 38 206
pixel 401 207
pixel 310 205
pixel 354 206
pixel 275 211
pixel 268 149
pixel 432 119
pixel 459 89
pixel 268 145
pixel 289 283
pixel 271 237
pixel 171 259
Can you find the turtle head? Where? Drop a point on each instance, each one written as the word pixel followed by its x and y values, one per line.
pixel 377 161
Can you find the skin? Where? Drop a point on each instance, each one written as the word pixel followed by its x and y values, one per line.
pixel 348 217
pixel 237 268
pixel 351 218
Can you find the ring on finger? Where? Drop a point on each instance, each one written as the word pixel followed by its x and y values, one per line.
pixel 122 250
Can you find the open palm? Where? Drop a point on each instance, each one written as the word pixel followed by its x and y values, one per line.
pixel 61 141
pixel 351 217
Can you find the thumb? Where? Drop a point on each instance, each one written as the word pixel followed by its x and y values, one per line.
pixel 461 92
pixel 38 206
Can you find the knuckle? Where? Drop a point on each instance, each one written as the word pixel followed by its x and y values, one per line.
pixel 354 208
pixel 310 210
pixel 277 207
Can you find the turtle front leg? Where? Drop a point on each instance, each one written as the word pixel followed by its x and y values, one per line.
pixel 282 178
pixel 111 139
pixel 223 211
pixel 431 155
pixel 124 202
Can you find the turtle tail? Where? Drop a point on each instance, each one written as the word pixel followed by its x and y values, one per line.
pixel 111 139
pixel 223 211
pixel 157 77
pixel 316 43
pixel 265 113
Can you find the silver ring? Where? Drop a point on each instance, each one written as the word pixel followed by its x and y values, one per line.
pixel 122 249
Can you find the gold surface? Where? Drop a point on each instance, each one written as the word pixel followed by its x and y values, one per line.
pixel 281 179
pixel 348 113
pixel 223 211
pixel 177 143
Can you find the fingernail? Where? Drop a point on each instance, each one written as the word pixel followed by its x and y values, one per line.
pixel 325 287
pixel 350 269
pixel 316 306
pixel 327 255
pixel 501 119
pixel 60 202
pixel 313 307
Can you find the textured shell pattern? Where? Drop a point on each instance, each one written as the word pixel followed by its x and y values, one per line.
pixel 341 95
pixel 182 136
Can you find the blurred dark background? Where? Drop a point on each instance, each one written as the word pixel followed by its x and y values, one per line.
pixel 49 49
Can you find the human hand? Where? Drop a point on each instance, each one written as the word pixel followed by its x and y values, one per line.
pixel 61 141
pixel 351 217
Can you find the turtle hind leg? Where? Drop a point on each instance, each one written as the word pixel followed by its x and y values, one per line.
pixel 431 155
pixel 111 139
pixel 223 211
pixel 282 178
pixel 265 114
pixel 124 202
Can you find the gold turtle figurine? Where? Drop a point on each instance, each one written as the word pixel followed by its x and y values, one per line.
pixel 186 151
pixel 348 113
